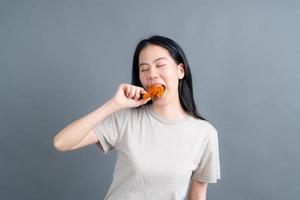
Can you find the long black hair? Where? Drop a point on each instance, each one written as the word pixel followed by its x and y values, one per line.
pixel 185 86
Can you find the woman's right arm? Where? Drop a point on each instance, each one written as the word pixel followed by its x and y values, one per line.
pixel 75 132
pixel 79 133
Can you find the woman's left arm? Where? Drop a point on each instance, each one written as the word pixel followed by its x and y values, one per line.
pixel 197 190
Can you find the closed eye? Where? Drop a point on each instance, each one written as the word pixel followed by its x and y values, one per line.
pixel 144 70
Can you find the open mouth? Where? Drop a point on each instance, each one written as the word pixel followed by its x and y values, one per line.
pixel 161 85
pixel 155 91
pixel 157 84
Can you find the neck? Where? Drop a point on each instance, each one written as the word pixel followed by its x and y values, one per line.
pixel 170 111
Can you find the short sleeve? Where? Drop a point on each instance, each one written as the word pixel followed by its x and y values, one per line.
pixel 208 169
pixel 110 129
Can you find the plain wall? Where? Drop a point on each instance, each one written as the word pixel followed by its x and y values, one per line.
pixel 60 60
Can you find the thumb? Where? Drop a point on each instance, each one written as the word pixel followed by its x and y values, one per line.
pixel 143 91
pixel 143 101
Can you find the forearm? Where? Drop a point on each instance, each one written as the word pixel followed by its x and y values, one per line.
pixel 77 130
pixel 197 190
pixel 200 197
pixel 197 198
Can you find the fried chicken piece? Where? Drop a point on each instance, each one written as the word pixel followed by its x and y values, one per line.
pixel 154 91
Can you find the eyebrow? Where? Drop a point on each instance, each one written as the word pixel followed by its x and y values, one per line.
pixel 153 61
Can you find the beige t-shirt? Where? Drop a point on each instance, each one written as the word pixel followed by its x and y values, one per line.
pixel 157 157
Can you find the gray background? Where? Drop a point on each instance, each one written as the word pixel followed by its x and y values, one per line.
pixel 61 60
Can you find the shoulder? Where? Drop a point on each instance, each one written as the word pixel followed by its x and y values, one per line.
pixel 211 127
pixel 130 112
pixel 205 126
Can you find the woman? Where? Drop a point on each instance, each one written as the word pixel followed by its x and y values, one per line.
pixel 165 147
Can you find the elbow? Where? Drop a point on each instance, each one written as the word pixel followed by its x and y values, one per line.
pixel 58 145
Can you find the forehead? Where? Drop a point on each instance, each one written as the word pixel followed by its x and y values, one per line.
pixel 152 52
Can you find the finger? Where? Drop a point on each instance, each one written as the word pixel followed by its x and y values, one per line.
pixel 143 91
pixel 143 101
pixel 127 90
pixel 137 94
pixel 132 92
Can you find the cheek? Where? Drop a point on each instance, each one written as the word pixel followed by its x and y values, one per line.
pixel 142 77
pixel 171 76
pixel 172 84
pixel 143 80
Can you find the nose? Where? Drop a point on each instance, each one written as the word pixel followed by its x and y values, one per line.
pixel 152 73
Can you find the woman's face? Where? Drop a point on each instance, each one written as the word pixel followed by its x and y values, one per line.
pixel 156 66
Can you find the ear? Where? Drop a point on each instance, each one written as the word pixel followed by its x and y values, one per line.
pixel 180 71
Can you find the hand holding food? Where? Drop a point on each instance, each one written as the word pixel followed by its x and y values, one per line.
pixel 128 96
